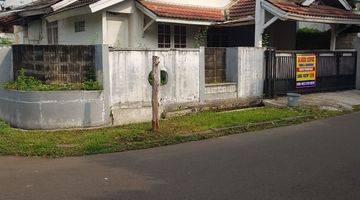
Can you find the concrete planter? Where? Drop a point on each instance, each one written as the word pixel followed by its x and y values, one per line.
pixel 52 110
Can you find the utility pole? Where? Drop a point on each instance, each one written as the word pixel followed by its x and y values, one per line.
pixel 155 94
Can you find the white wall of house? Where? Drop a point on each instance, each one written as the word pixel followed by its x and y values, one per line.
pixel 149 39
pixel 91 35
pixel 128 16
pixel 35 32
pixel 118 26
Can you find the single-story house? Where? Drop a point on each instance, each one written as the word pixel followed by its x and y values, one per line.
pixel 176 23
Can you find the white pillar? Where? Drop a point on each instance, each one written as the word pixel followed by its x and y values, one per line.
pixel 259 23
pixel 104 28
pixel 333 37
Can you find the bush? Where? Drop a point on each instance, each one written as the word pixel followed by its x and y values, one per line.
pixel 307 30
pixel 5 41
pixel 29 83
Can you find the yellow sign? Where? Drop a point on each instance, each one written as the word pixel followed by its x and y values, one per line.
pixel 305 70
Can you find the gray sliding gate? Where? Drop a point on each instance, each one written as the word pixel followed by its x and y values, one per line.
pixel 333 70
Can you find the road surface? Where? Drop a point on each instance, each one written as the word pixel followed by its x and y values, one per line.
pixel 316 160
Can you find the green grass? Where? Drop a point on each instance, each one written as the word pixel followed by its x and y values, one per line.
pixel 356 108
pixel 139 136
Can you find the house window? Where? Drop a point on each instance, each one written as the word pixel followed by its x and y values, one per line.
pixel 52 32
pixel 180 36
pixel 164 36
pixel 79 26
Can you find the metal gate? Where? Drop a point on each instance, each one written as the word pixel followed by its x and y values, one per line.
pixel 335 70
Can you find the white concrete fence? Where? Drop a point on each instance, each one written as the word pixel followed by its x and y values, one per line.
pixel 130 90
pixel 126 95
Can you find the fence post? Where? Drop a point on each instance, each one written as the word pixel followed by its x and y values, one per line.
pixel 155 94
pixel 202 75
pixel 270 73
pixel 357 69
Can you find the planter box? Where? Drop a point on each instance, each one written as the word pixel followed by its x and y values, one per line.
pixel 52 110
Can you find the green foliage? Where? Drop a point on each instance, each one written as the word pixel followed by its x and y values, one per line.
pixel 139 136
pixel 265 40
pixel 5 41
pixel 307 30
pixel 4 127
pixel 23 82
pixel 29 83
pixel 91 85
pixel 201 37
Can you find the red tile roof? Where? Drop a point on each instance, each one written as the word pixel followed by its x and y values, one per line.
pixel 238 10
pixel 184 12
pixel 241 9
pixel 246 8
pixel 321 11
pixel 8 19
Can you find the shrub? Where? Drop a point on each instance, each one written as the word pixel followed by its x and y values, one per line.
pixel 5 41
pixel 29 83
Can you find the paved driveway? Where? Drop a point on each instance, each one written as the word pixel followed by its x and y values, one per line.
pixel 317 160
pixel 341 100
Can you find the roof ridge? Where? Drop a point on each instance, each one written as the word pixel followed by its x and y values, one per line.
pixel 178 4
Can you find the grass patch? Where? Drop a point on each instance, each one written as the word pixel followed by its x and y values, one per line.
pixel 139 136
pixel 356 108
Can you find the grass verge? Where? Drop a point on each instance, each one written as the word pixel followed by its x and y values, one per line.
pixel 139 136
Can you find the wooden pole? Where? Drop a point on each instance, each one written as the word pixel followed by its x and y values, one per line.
pixel 155 94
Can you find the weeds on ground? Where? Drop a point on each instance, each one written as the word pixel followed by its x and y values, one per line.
pixel 30 83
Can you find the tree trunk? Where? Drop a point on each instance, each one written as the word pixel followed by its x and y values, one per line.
pixel 155 94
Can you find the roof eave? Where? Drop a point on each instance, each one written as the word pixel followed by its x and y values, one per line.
pixel 283 15
pixel 156 18
pixel 249 20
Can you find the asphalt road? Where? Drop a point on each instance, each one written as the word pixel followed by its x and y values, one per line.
pixel 317 160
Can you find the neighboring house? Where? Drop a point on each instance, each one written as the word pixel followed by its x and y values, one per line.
pixel 16 3
pixel 175 23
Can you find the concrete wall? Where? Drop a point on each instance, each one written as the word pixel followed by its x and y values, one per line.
pixel 52 110
pixel 6 65
pixel 130 91
pixel 126 97
pixel 246 67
